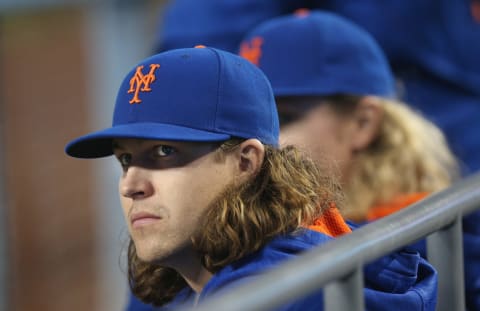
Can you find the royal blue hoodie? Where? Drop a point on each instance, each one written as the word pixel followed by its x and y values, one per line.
pixel 399 281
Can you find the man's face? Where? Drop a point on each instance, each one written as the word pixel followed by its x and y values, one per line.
pixel 316 128
pixel 165 190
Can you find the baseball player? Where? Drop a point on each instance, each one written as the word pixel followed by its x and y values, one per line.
pixel 210 199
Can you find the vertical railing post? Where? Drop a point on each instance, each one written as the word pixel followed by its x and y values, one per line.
pixel 445 253
pixel 4 224
pixel 346 294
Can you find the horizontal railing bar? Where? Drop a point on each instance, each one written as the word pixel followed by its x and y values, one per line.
pixel 313 269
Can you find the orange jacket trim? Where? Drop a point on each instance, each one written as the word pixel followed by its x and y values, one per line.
pixel 331 223
pixel 398 203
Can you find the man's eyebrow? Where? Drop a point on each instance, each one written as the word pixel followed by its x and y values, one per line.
pixel 116 145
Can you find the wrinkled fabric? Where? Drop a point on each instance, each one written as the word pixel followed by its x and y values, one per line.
pixel 471 244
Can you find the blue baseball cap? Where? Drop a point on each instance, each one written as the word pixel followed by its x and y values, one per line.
pixel 193 94
pixel 317 53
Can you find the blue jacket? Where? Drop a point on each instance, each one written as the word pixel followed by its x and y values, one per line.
pixel 432 45
pixel 400 281
pixel 471 253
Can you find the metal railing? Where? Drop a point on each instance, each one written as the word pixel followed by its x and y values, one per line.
pixel 337 266
pixel 4 223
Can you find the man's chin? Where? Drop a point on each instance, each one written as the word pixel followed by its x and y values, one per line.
pixel 146 255
pixel 163 256
pixel 147 251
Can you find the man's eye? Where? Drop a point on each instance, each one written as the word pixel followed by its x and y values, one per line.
pixel 125 159
pixel 164 150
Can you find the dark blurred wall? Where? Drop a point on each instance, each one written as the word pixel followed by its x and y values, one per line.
pixel 50 215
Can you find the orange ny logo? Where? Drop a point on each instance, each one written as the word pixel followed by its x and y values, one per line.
pixel 251 50
pixel 140 82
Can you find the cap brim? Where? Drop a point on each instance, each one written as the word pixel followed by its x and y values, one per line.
pixel 99 144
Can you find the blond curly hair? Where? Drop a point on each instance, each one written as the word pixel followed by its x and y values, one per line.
pixel 409 155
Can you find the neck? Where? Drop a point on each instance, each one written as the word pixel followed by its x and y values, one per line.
pixel 190 267
pixel 197 279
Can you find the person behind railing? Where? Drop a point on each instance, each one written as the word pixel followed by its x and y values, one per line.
pixel 209 198
pixel 336 98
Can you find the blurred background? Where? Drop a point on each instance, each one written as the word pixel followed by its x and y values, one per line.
pixel 62 232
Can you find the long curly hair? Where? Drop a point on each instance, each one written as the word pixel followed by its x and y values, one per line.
pixel 289 192
pixel 409 155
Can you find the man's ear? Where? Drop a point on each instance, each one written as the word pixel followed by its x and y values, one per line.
pixel 368 117
pixel 251 153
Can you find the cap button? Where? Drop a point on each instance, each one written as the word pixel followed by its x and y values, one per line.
pixel 302 12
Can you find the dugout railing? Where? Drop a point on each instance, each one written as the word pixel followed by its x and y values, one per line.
pixel 337 266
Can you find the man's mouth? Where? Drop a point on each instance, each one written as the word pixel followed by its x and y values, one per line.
pixel 141 219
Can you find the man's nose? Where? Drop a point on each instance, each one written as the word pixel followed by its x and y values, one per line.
pixel 136 183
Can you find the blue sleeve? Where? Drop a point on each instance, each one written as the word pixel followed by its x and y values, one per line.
pixel 400 281
pixel 471 253
pixel 216 23
pixel 471 250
